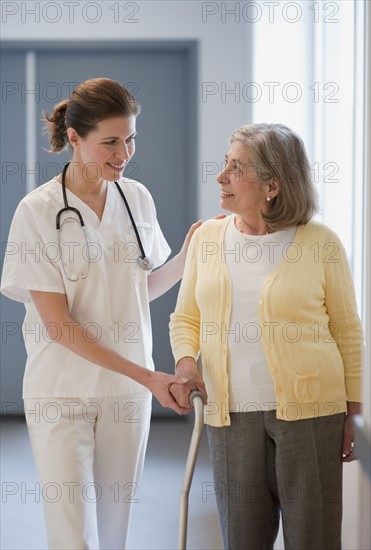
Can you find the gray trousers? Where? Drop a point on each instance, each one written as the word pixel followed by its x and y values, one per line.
pixel 263 467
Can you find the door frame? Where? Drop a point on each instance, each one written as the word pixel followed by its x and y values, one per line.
pixel 190 48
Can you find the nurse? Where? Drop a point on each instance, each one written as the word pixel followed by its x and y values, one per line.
pixel 89 374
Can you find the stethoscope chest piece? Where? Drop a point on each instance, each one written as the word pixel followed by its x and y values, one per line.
pixel 145 263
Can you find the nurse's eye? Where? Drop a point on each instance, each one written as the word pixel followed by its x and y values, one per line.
pixel 131 139
pixel 111 142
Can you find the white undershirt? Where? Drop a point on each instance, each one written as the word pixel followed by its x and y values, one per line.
pixel 249 259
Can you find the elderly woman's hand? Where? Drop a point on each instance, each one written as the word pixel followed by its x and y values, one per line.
pixel 348 433
pixel 187 369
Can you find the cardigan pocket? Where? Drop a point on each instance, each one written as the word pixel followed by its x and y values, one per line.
pixel 307 388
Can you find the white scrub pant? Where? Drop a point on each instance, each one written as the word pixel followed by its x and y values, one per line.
pixel 89 453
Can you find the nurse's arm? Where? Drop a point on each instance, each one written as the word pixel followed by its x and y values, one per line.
pixel 63 330
pixel 165 277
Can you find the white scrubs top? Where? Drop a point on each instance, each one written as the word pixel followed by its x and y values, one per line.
pixel 111 303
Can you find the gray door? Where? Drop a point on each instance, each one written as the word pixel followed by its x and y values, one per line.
pixel 161 79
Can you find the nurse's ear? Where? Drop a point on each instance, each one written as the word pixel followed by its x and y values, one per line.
pixel 73 137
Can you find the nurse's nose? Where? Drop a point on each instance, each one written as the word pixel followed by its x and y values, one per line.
pixel 124 151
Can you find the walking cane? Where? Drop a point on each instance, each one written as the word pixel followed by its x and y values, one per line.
pixel 195 399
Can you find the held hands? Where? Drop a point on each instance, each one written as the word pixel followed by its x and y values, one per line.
pixel 168 388
pixel 187 369
pixel 159 383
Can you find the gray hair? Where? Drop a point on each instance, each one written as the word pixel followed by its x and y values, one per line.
pixel 278 152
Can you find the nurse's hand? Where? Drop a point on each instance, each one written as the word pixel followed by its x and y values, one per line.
pixel 183 251
pixel 159 384
pixel 165 277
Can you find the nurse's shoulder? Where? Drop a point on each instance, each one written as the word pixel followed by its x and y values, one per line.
pixel 43 202
pixel 43 195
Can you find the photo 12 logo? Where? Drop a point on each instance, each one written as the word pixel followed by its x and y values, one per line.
pixel 46 92
pixel 69 12
pixel 270 92
pixel 272 12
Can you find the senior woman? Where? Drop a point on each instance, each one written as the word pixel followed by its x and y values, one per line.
pixel 268 301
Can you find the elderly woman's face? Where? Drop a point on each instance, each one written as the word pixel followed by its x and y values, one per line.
pixel 240 188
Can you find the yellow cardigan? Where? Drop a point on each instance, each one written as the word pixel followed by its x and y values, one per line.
pixel 310 329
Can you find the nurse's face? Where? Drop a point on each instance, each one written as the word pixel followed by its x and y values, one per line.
pixel 105 151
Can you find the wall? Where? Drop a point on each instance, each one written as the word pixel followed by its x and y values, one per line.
pixel 225 62
pixel 225 57
pixel 365 478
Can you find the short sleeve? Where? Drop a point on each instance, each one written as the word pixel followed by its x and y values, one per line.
pixel 160 250
pixel 31 256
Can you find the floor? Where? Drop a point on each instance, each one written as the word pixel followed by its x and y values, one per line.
pixel 22 524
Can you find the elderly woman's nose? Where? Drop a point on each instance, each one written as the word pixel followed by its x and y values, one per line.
pixel 222 176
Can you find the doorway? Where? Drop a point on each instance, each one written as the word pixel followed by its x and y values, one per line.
pixel 162 76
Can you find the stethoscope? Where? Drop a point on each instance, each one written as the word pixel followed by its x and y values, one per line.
pixel 144 261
